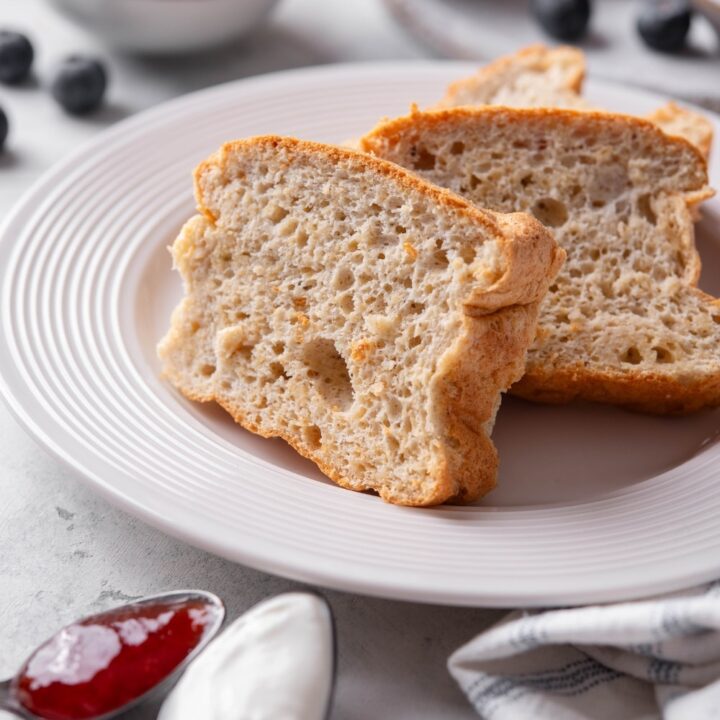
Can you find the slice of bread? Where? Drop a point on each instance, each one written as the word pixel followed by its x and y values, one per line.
pixel 623 323
pixel 367 317
pixel 539 76
pixel 536 76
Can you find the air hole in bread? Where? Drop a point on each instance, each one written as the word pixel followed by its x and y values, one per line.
pixel 467 253
pixel 400 230
pixel 663 355
pixel 632 356
pixel 645 208
pixel 313 436
pixel 194 326
pixel 423 159
pixel 550 212
pixel 207 370
pixel 275 213
pixel 344 279
pixel 347 303
pixel 526 180
pixel 278 348
pixel 622 210
pixel 301 238
pixel 457 148
pixel 288 227
pixel 277 371
pixel 414 341
pixel 329 372
pixel 606 288
pixel 474 181
pixel 440 257
pixel 716 318
pixel 416 308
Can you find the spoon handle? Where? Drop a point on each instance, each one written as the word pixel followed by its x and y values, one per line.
pixel 8 702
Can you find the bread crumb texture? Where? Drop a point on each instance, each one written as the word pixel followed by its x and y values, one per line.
pixel 370 319
pixel 623 322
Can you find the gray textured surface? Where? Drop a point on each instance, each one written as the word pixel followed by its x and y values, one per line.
pixel 64 551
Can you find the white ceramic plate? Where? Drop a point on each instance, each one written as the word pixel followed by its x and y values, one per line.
pixel 594 503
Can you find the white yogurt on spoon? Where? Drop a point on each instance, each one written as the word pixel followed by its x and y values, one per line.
pixel 275 662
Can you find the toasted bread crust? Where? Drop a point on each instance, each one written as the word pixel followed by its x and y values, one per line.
pixel 651 393
pixel 396 128
pixel 678 121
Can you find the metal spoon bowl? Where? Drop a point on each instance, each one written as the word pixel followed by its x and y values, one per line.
pixel 10 703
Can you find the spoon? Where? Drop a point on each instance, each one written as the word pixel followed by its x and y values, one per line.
pixel 94 669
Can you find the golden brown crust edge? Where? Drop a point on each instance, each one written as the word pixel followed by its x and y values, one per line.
pixel 404 177
pixel 656 394
pixel 671 111
pixel 396 128
pixel 466 402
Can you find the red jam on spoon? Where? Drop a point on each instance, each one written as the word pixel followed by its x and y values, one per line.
pixel 103 662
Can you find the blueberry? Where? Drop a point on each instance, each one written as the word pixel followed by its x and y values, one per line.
pixel 4 126
pixel 562 19
pixel 79 84
pixel 16 57
pixel 664 24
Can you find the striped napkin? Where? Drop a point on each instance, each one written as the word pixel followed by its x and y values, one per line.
pixel 648 660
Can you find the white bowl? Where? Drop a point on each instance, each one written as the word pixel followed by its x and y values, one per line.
pixel 166 26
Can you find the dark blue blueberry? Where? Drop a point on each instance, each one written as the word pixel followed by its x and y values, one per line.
pixel 79 84
pixel 16 57
pixel 562 19
pixel 664 24
pixel 4 127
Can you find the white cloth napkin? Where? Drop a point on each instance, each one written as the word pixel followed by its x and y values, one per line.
pixel 646 660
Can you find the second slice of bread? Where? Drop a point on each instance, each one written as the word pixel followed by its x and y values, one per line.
pixel 367 317
pixel 624 322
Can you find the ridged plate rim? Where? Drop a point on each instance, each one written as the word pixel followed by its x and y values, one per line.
pixel 351 557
